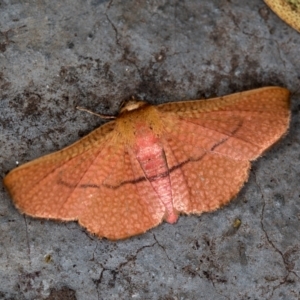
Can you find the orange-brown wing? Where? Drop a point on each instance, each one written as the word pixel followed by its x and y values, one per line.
pixel 209 144
pixel 40 187
pixel 95 181
pixel 122 205
pixel 287 10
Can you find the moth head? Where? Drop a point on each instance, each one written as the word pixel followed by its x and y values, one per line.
pixel 132 105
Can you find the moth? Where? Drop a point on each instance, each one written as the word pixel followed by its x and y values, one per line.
pixel 153 163
pixel 287 10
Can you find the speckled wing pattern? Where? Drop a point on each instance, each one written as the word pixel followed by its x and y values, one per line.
pixel 213 142
pixel 205 145
pixel 94 181
pixel 287 10
pixel 41 187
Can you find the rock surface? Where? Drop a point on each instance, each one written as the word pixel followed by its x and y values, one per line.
pixel 56 55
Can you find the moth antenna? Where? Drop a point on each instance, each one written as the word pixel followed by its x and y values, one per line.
pixel 107 117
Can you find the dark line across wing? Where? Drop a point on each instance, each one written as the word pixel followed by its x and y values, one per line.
pixel 153 178
pixel 133 181
pixel 227 138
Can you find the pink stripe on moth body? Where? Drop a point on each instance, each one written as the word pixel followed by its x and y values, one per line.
pixel 152 160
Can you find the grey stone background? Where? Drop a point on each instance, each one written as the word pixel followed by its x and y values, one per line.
pixel 55 55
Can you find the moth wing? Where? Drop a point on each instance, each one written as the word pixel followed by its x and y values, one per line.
pixel 96 181
pixel 287 11
pixel 209 144
pixel 41 187
pixel 124 204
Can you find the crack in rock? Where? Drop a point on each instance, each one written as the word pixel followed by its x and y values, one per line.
pixel 115 271
pixel 286 263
